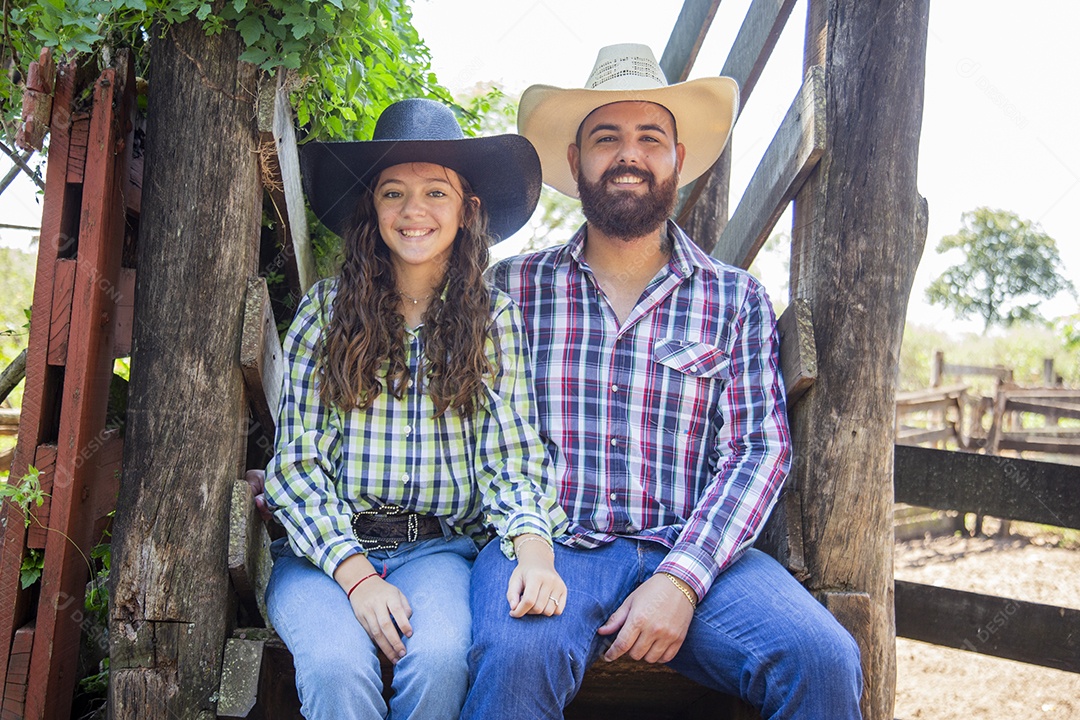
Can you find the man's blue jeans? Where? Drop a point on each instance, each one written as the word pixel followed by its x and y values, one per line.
pixel 757 634
pixel 337 666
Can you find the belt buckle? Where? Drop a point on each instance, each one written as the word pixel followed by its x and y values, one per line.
pixel 373 542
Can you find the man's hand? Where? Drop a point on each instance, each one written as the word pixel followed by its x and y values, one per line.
pixel 535 587
pixel 652 622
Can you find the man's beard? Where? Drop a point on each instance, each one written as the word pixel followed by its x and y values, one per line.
pixel 624 215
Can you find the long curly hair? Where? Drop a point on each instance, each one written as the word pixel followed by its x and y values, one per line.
pixel 363 345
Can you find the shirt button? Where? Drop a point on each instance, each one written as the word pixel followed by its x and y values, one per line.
pixel 614 496
pixel 693 368
pixel 407 430
pixel 614 388
pixel 614 442
pixel 405 478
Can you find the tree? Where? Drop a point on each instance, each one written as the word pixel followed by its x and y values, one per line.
pixel 1010 265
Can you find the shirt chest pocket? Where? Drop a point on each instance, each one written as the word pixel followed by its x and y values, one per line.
pixel 694 359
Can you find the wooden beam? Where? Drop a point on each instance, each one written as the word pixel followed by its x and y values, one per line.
pixel 923 436
pixel 792 154
pixel 261 358
pixel 1051 394
pixel 60 322
pixel 87 374
pixel 764 21
pixel 1055 446
pixel 686 37
pixel 1045 407
pixel 240 671
pixel 125 313
pixel 249 552
pixel 998 372
pixel 936 394
pixel 1028 632
pixel 58 216
pixel 798 356
pixel 1004 487
pixel 12 375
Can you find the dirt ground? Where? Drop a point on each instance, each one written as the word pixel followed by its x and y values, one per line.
pixel 938 683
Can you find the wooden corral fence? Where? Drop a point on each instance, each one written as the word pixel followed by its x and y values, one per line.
pixel 953 413
pixel 186 635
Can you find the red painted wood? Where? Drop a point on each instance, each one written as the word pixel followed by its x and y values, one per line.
pixel 14 699
pixel 125 313
pixel 45 462
pixel 60 323
pixel 80 136
pixel 36 388
pixel 82 433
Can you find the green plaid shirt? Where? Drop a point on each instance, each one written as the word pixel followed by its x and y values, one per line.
pixel 487 470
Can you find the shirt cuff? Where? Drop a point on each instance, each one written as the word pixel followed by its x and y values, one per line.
pixel 519 525
pixel 693 566
pixel 336 551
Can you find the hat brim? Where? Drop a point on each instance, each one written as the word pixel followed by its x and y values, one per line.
pixel 704 109
pixel 503 170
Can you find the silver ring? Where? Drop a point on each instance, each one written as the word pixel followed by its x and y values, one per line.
pixel 554 599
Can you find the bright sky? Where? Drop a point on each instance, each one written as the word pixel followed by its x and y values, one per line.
pixel 999 122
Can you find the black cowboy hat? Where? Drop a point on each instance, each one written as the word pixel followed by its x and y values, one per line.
pixel 504 170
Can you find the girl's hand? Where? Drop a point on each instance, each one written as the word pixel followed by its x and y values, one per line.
pixel 535 587
pixel 378 605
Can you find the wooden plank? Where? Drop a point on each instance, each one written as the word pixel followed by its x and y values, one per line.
pixel 998 372
pixel 249 552
pixel 39 387
pixel 241 668
pixel 1050 394
pixel 1055 446
pixel 289 165
pixel 125 313
pixel 686 37
pixel 60 323
pixel 17 676
pixel 261 357
pixel 792 154
pixel 798 356
pixel 1028 632
pixel 923 436
pixel 45 462
pixel 85 395
pixel 936 393
pixel 9 421
pixel 909 408
pixel 782 536
pixel 80 136
pixel 761 28
pixel 1004 487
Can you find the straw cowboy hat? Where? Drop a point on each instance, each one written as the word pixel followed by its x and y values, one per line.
pixel 704 111
pixel 503 170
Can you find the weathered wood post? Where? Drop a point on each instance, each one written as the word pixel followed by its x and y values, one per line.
pixel 185 425
pixel 859 231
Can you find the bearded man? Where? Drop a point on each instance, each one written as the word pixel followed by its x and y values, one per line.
pixel 660 397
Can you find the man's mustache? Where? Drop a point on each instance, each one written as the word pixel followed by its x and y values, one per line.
pixel 621 170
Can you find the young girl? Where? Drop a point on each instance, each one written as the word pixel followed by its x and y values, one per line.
pixel 406 427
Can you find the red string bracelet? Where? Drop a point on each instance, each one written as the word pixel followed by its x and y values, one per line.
pixel 366 577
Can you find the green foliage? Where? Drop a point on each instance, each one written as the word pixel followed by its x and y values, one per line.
pixel 1009 266
pixel 346 59
pixel 17 280
pixel 31 567
pixel 24 493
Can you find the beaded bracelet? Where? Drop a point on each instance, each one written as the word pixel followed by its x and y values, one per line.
pixel 682 588
pixel 366 577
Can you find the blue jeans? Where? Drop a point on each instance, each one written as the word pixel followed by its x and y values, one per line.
pixel 757 634
pixel 337 666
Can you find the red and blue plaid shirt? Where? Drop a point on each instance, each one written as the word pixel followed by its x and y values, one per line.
pixel 670 427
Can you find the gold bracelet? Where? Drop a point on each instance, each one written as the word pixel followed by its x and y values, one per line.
pixel 682 588
pixel 531 538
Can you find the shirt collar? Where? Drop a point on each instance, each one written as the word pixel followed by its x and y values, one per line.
pixel 685 254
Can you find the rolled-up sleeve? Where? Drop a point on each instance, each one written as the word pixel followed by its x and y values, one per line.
pixel 300 479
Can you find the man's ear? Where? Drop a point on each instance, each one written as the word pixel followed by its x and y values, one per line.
pixel 680 155
pixel 573 156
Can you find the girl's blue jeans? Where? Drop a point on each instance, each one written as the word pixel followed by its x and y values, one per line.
pixel 337 666
pixel 757 634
